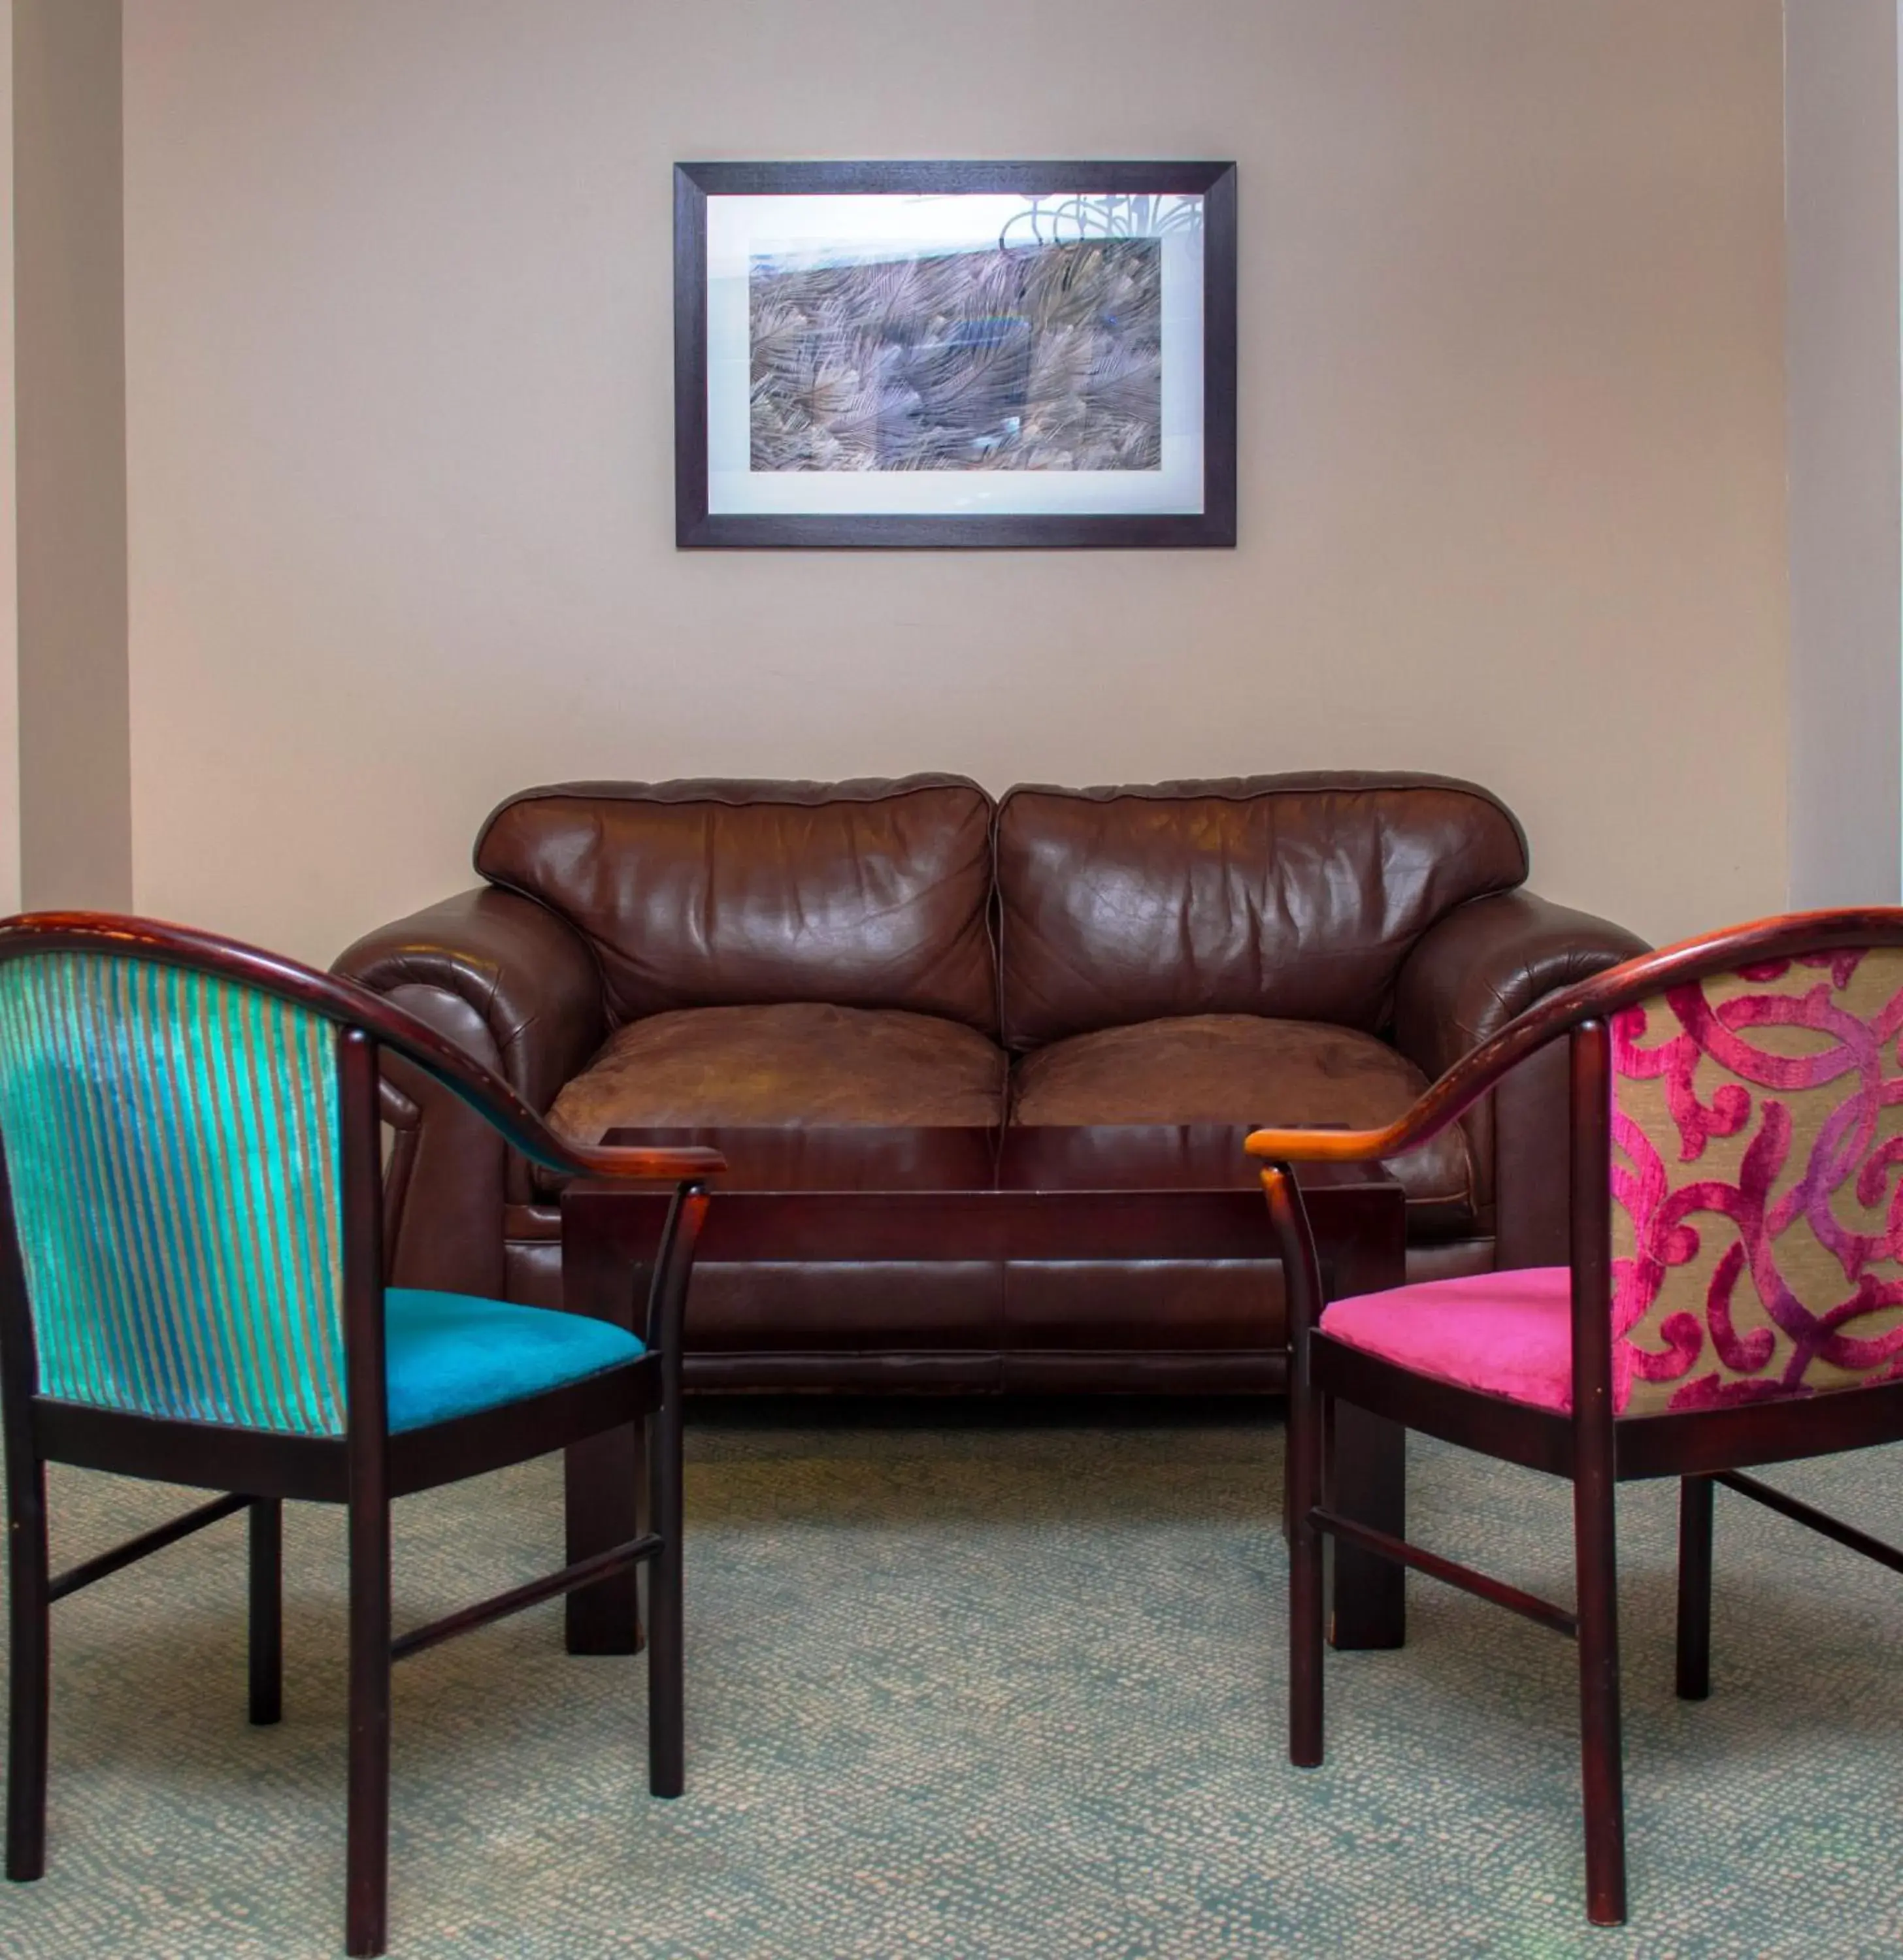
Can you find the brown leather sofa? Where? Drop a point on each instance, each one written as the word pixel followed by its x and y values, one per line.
pixel 909 951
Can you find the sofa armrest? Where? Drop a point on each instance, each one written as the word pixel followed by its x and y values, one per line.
pixel 510 983
pixel 1466 978
pixel 527 975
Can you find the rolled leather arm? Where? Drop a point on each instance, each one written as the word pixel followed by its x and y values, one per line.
pixel 527 975
pixel 517 988
pixel 1468 975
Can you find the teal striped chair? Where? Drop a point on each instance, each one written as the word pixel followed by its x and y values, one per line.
pixel 192 1289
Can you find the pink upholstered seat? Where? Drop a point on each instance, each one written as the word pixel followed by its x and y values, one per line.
pixel 1505 1334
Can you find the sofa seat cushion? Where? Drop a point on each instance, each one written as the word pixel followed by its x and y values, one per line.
pixel 1244 1068
pixel 800 1062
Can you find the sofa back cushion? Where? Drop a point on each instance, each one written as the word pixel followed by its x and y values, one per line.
pixel 871 894
pixel 1296 896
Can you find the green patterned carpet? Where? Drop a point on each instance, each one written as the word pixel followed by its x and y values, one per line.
pixel 990 1687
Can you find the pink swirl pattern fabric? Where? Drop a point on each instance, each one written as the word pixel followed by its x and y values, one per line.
pixel 1758 1181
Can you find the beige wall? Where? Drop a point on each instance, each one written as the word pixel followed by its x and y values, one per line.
pixel 75 807
pixel 398 351
pixel 1844 396
pixel 9 588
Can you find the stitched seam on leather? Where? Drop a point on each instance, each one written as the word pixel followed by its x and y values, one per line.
pixel 994 909
pixel 924 783
pixel 1296 783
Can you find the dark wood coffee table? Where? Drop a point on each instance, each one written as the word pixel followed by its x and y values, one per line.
pixel 1111 1191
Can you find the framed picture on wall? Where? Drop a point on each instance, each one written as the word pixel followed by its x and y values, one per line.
pixel 963 354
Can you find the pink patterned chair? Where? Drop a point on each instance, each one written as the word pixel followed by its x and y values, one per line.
pixel 1735 1296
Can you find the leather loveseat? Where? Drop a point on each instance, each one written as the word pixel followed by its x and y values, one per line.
pixel 1301 946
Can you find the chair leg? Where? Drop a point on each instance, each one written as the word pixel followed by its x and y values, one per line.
pixel 267 1610
pixel 1598 1644
pixel 30 1678
pixel 1303 1477
pixel 667 1719
pixel 1694 1588
pixel 368 1856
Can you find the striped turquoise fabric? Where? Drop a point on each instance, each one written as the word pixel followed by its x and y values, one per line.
pixel 171 1139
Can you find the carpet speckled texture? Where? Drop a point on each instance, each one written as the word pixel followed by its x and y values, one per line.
pixel 981 1685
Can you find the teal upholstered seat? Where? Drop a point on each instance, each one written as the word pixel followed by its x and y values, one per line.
pixel 450 1354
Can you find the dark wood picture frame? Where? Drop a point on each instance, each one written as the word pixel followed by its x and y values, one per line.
pixel 697 527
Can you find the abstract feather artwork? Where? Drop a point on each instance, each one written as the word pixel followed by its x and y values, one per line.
pixel 915 355
pixel 1025 357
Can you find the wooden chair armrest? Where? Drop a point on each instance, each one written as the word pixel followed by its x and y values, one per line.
pixel 681 1164
pixel 1329 1146
pixel 1440 1103
pixel 1445 1101
pixel 492 1099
